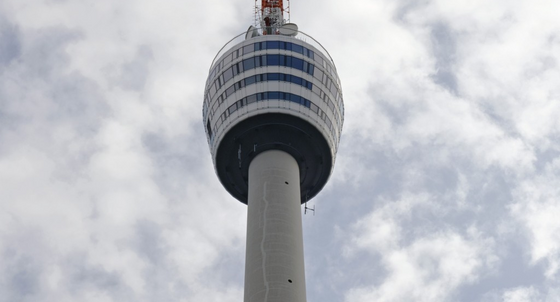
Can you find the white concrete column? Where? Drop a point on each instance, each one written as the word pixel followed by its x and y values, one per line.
pixel 274 269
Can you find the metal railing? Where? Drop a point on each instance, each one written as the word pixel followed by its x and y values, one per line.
pixel 301 36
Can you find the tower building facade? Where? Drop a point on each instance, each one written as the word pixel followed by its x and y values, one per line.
pixel 273 115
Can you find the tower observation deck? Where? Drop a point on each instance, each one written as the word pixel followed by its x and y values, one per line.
pixel 273 115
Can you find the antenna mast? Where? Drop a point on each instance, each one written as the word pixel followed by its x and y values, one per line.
pixel 270 15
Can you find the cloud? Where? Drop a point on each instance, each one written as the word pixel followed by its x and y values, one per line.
pixel 445 183
pixel 420 264
pixel 535 207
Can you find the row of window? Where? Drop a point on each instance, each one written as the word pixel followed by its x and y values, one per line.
pixel 271 77
pixel 259 61
pixel 273 95
pixel 255 79
pixel 279 45
pixel 262 46
pixel 273 45
pixel 277 60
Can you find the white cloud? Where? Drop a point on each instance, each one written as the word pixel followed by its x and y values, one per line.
pixel 528 294
pixel 420 264
pixel 536 207
pixel 107 191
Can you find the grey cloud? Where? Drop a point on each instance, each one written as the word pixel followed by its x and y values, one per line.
pixel 444 48
pixel 135 73
pixel 22 275
pixel 149 243
pixel 10 42
pixel 82 277
pixel 45 56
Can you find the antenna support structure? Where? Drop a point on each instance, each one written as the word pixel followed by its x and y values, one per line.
pixel 269 15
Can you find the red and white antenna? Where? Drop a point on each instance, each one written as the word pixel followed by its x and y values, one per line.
pixel 270 15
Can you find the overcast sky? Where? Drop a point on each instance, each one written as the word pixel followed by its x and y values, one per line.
pixel 446 186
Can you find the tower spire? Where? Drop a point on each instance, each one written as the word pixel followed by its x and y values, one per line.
pixel 271 15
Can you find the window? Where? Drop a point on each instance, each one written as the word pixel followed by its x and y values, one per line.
pixel 230 90
pixel 258 61
pixel 286 45
pixel 310 54
pixel 297 63
pixel 272 45
pixel 232 108
pixel 248 49
pixel 249 80
pixel 228 74
pixel 295 98
pixel 251 99
pixel 273 60
pixel 249 63
pixel 314 107
pixel 311 69
pixel 273 76
pixel 209 128
pixel 297 48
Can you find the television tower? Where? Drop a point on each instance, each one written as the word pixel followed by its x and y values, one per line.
pixel 273 114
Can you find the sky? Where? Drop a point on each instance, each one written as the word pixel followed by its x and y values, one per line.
pixel 446 185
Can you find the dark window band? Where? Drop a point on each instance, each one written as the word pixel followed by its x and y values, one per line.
pixel 274 77
pixel 276 95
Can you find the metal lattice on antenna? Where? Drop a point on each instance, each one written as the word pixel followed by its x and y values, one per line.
pixel 269 15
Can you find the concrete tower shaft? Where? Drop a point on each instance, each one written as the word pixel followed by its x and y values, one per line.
pixel 274 269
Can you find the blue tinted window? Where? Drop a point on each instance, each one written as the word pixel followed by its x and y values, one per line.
pixel 297 63
pixel 228 74
pixel 273 95
pixel 273 60
pixel 272 44
pixel 286 61
pixel 273 76
pixel 295 98
pixel 249 80
pixel 297 48
pixel 311 54
pixel 230 91
pixel 248 63
pixel 235 68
